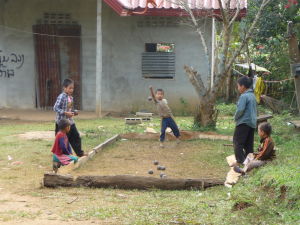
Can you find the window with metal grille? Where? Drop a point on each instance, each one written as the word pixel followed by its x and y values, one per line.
pixel 158 61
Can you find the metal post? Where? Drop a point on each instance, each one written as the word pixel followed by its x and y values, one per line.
pixel 99 58
pixel 213 37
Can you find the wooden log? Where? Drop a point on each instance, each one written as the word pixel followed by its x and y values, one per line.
pixel 56 180
pixel 143 183
pixel 263 118
pixel 128 182
pixel 277 106
pixel 107 142
pixel 296 123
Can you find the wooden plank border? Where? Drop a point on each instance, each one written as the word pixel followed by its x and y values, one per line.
pixel 83 160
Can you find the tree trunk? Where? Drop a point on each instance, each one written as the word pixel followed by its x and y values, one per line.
pixel 206 113
pixel 228 86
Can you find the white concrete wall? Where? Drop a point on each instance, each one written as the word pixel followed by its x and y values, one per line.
pixel 19 91
pixel 124 88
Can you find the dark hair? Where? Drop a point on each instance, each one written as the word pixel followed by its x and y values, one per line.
pixel 159 89
pixel 266 128
pixel 245 81
pixel 67 82
pixel 63 124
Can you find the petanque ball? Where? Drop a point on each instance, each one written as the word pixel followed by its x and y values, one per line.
pixel 150 171
pixel 155 162
pixel 161 168
pixel 162 175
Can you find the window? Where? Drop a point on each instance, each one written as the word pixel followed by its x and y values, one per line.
pixel 158 61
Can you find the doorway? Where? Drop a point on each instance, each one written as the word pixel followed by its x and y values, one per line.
pixel 58 56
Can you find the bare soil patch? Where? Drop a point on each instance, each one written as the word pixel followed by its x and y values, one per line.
pixel 185 135
pixel 40 135
pixel 241 206
pixel 34 135
pixel 191 159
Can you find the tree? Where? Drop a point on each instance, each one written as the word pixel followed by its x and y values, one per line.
pixel 294 56
pixel 206 113
pixel 269 47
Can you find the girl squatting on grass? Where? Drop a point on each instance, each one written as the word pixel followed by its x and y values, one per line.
pixel 62 152
pixel 165 113
pixel 64 110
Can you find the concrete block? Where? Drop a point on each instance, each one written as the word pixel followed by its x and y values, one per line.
pixel 143 114
pixel 133 121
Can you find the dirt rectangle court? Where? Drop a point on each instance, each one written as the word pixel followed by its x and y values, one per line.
pixel 188 159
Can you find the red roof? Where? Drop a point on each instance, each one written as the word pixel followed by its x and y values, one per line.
pixel 172 7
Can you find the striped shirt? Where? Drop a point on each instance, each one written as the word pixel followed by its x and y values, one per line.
pixel 64 103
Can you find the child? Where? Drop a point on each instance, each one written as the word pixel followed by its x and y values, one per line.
pixel 62 152
pixel 265 152
pixel 64 110
pixel 245 118
pixel 165 113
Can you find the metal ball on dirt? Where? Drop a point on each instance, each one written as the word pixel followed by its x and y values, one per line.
pixel 162 175
pixel 161 168
pixel 155 162
pixel 150 172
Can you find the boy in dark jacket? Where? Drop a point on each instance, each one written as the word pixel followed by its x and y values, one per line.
pixel 245 118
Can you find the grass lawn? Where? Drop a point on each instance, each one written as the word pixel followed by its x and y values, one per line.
pixel 269 195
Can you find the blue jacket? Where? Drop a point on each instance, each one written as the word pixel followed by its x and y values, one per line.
pixel 246 112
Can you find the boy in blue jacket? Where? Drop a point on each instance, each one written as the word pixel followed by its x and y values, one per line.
pixel 245 118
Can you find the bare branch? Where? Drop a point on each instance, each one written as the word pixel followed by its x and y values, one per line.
pixel 221 76
pixel 237 12
pixel 187 8
pixel 248 34
pixel 224 17
pixel 196 81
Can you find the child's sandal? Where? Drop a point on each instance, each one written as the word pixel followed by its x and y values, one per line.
pixel 56 165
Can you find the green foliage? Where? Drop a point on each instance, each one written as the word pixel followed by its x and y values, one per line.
pixel 184 107
pixel 268 46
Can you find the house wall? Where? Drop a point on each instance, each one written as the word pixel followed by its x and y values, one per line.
pixel 124 88
pixel 18 16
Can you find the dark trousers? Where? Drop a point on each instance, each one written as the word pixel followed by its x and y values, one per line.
pixel 168 122
pixel 243 141
pixel 74 139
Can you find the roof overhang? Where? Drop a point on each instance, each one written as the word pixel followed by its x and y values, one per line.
pixel 122 10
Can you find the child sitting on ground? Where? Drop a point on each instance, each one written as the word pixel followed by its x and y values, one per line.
pixel 165 113
pixel 265 152
pixel 62 152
